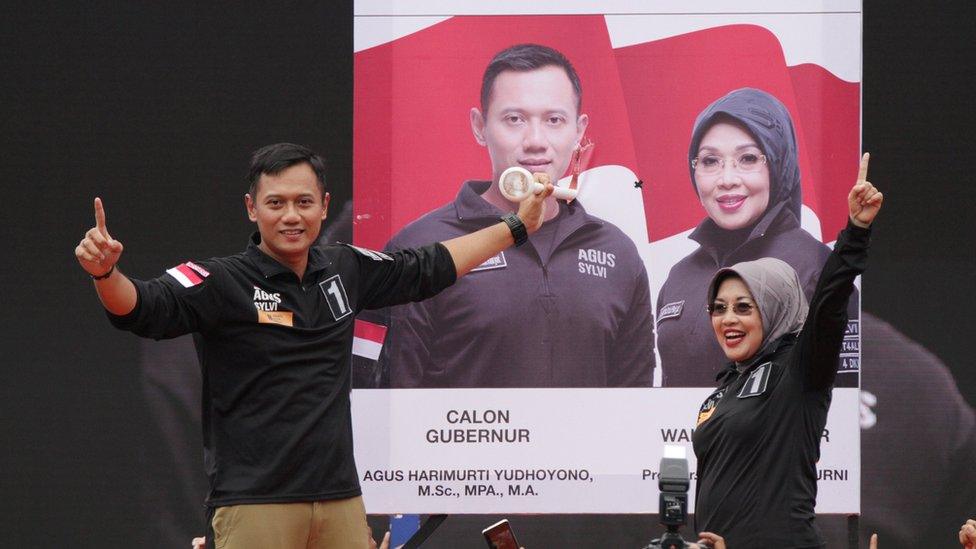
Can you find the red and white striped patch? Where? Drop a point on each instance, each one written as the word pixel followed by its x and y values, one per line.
pixel 368 339
pixel 186 275
pixel 199 270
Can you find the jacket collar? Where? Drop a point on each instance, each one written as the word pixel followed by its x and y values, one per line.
pixel 270 267
pixel 777 219
pixel 732 370
pixel 469 206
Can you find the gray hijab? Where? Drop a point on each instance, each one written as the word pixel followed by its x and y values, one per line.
pixel 776 289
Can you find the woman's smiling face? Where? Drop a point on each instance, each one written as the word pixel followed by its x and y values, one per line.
pixel 740 334
pixel 735 191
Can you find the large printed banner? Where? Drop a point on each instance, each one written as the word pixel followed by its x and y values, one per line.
pixel 550 378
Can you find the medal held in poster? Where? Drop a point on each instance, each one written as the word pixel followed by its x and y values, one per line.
pixel 516 184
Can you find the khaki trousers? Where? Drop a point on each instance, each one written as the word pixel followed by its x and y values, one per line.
pixel 332 524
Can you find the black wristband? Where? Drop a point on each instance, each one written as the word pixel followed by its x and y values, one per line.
pixel 515 225
pixel 104 276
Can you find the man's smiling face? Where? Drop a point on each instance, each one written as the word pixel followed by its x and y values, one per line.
pixel 289 209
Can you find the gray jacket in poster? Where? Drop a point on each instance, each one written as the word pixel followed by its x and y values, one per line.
pixel 569 308
pixel 690 355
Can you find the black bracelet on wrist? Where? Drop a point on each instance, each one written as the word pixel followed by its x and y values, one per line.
pixel 515 225
pixel 106 275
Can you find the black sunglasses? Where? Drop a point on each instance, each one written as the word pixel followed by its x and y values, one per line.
pixel 740 308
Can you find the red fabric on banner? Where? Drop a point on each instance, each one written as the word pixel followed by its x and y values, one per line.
pixel 668 82
pixel 830 110
pixel 413 141
pixel 413 144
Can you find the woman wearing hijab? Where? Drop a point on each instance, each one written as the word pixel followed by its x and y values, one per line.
pixel 758 434
pixel 744 167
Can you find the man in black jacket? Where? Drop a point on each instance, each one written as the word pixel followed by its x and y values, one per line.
pixel 273 329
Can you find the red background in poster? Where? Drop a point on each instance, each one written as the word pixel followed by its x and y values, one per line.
pixel 413 144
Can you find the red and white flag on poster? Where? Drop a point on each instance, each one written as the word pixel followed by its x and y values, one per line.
pixel 368 339
pixel 641 95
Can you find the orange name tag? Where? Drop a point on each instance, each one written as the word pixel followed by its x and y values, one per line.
pixel 275 317
pixel 703 416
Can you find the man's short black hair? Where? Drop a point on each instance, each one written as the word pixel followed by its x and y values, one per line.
pixel 524 58
pixel 274 159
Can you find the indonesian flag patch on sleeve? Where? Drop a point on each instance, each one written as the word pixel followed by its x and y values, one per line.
pixel 188 274
pixel 372 254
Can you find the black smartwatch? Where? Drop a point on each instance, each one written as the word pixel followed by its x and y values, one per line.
pixel 515 225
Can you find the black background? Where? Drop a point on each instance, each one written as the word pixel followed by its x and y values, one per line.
pixel 157 108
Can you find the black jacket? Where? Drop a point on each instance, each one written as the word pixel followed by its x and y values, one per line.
pixel 275 357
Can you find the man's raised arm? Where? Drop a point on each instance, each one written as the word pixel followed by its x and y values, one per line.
pixel 473 249
pixel 97 254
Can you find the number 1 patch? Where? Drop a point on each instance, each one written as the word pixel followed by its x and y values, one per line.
pixel 335 295
pixel 756 383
